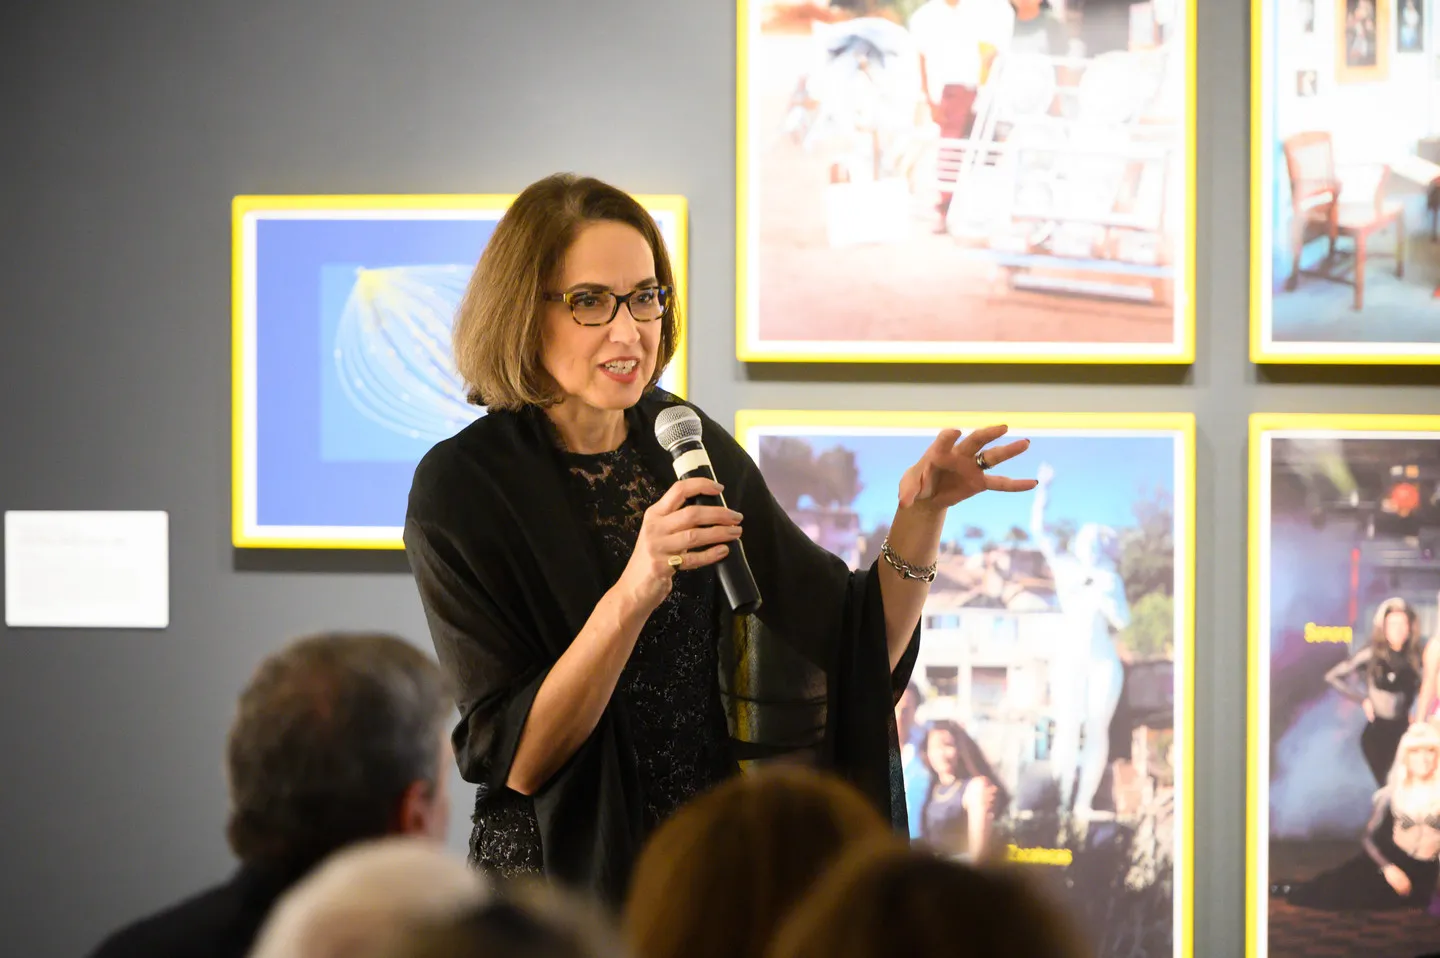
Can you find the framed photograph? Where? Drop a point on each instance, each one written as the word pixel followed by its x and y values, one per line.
pixel 921 181
pixel 1410 26
pixel 1050 716
pixel 1344 740
pixel 1362 41
pixel 1345 187
pixel 343 377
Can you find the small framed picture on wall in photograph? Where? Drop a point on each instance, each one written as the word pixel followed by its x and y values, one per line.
pixel 1363 37
pixel 1305 15
pixel 1410 27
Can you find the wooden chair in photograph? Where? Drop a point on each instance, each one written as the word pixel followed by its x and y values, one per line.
pixel 1318 211
pixel 1429 151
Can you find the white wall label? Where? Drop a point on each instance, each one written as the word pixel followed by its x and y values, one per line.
pixel 87 570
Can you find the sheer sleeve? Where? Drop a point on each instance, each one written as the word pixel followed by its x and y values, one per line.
pixel 1372 827
pixel 1340 676
pixel 495 677
pixel 810 598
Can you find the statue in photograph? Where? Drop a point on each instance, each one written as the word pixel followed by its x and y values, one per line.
pixel 1086 673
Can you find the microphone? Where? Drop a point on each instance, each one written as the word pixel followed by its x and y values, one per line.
pixel 678 430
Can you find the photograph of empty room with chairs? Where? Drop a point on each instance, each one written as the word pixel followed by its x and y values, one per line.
pixel 1345 182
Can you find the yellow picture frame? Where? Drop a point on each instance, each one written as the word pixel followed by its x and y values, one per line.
pixel 751 424
pixel 750 347
pixel 316 482
pixel 1258 731
pixel 1269 28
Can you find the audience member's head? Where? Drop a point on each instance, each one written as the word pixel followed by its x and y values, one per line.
pixel 882 900
pixel 338 737
pixel 717 877
pixel 363 900
pixel 525 920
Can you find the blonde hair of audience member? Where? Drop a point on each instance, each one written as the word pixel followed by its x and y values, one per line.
pixel 883 900
pixel 527 919
pixel 360 901
pixel 718 877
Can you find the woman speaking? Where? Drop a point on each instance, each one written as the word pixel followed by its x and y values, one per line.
pixel 567 578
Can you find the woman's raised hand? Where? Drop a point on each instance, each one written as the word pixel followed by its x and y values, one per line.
pixel 950 471
pixel 676 536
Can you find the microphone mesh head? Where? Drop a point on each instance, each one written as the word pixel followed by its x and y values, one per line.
pixel 675 425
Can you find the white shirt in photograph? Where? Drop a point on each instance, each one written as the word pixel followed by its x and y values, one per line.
pixel 949 38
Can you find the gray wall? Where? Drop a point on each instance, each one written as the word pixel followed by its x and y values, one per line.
pixel 128 127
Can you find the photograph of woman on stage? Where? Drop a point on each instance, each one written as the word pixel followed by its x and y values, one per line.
pixel 1389 668
pixel 1347 589
pixel 602 674
pixel 1397 868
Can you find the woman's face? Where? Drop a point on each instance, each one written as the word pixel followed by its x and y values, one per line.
pixel 1397 629
pixel 1420 763
pixel 606 367
pixel 940 750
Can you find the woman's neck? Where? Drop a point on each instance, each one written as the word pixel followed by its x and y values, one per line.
pixel 585 429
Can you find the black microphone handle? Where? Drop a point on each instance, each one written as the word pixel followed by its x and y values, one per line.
pixel 734 570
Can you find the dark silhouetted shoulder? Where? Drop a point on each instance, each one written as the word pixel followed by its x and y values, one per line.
pixel 221 922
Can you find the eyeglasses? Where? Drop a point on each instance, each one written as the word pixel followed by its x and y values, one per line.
pixel 597 307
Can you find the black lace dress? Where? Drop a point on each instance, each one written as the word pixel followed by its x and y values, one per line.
pixel 669 683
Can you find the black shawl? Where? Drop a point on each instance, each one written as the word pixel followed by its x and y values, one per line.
pixel 508 576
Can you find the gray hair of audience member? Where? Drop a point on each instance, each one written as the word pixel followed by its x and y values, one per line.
pixel 329 736
pixel 363 900
pixel 526 919
pixel 886 899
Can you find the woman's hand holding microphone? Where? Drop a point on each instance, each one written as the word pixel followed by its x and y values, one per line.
pixel 676 536
pixel 569 704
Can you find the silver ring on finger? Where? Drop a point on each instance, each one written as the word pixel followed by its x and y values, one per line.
pixel 980 461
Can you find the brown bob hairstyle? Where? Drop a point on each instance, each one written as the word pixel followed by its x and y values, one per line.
pixel 883 899
pixel 718 877
pixel 499 330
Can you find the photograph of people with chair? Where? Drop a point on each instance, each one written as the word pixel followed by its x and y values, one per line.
pixel 1346 814
pixel 1346 183
pixel 965 179
pixel 1043 722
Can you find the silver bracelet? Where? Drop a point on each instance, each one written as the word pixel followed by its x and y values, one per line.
pixel 906 570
